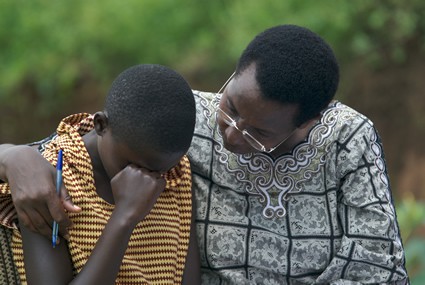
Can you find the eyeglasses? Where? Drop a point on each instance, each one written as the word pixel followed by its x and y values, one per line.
pixel 245 134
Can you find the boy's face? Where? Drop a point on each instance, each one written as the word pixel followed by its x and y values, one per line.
pixel 115 156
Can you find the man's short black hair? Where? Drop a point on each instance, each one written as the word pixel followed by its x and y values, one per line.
pixel 293 65
pixel 151 105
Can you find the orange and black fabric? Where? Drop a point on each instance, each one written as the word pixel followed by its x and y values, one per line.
pixel 157 249
pixel 8 273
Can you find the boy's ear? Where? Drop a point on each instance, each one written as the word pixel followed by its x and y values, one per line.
pixel 101 123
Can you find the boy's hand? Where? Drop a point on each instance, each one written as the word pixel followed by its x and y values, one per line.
pixel 135 192
pixel 32 183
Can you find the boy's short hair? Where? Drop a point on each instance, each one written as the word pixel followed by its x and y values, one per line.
pixel 293 65
pixel 151 105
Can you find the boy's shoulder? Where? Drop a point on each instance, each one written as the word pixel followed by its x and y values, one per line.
pixel 179 178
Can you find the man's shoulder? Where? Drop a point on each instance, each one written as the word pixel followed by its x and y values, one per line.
pixel 204 96
pixel 346 119
pixel 41 144
pixel 206 105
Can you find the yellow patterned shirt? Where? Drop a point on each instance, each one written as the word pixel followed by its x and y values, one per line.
pixel 157 249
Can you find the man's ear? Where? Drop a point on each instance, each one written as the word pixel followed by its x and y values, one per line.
pixel 101 123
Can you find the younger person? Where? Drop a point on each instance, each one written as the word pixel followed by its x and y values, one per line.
pixel 125 168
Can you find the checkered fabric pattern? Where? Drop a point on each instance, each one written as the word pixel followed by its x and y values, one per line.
pixel 320 214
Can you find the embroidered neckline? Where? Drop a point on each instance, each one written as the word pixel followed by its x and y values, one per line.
pixel 273 179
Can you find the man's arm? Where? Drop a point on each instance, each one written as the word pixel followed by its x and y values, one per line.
pixel 32 182
pixel 3 158
pixel 371 250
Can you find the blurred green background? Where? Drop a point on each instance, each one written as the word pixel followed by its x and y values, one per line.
pixel 59 57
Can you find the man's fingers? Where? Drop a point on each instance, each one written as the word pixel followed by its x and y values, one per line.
pixel 42 225
pixel 37 223
pixel 67 201
pixel 25 220
pixel 58 213
pixel 63 221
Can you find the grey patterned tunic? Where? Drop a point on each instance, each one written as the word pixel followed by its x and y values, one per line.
pixel 322 214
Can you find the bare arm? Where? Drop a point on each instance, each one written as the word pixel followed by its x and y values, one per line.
pixel 102 267
pixel 43 263
pixel 47 265
pixel 192 269
pixel 31 179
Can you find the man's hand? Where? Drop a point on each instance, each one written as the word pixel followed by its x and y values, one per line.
pixel 32 183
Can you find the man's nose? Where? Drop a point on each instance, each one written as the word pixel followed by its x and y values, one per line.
pixel 234 136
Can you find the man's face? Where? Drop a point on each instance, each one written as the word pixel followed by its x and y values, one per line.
pixel 269 122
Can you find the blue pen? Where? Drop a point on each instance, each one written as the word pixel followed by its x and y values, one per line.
pixel 58 192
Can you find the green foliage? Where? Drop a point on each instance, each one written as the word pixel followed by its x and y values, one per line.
pixel 411 218
pixel 53 43
pixel 386 30
pixel 50 47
